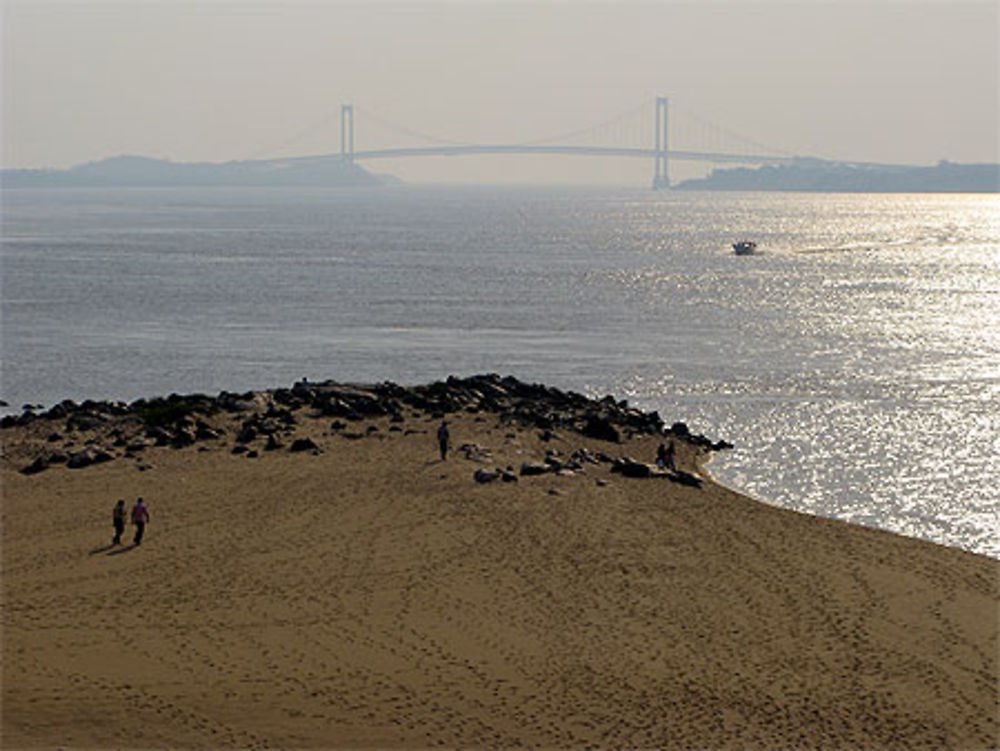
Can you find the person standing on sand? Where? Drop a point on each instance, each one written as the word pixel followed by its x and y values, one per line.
pixel 443 437
pixel 665 455
pixel 140 517
pixel 118 522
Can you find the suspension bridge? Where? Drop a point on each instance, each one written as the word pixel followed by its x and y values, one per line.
pixel 657 150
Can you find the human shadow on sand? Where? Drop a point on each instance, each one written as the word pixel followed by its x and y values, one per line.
pixel 126 549
pixel 102 549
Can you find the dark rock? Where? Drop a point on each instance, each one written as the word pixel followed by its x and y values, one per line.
pixel 630 468
pixel 205 432
pixel 338 425
pixel 684 478
pixel 534 468
pixel 247 433
pixel 61 410
pixel 58 457
pixel 679 429
pixel 87 457
pixel 161 436
pixel 475 453
pixel 53 437
pixel 39 465
pixel 183 437
pixel 272 444
pixel 252 454
pixel 83 421
pixel 483 475
pixel 240 449
pixel 303 444
pixel 602 429
pixel 283 416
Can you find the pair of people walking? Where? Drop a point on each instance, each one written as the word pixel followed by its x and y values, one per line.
pixel 665 456
pixel 140 517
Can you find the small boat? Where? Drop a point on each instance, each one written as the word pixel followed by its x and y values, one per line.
pixel 745 248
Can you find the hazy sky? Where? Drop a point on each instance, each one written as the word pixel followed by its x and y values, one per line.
pixel 879 80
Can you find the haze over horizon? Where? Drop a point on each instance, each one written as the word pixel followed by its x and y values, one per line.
pixel 883 81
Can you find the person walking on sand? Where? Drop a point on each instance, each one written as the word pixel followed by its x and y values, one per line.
pixel 118 522
pixel 140 517
pixel 443 437
pixel 665 456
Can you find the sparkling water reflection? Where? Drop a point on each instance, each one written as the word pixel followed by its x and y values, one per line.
pixel 855 362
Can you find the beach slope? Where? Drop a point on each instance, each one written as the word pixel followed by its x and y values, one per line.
pixel 360 592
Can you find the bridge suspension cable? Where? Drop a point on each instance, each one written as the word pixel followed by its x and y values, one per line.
pixel 389 125
pixel 727 134
pixel 274 149
pixel 589 129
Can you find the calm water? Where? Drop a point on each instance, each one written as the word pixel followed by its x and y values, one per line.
pixel 855 364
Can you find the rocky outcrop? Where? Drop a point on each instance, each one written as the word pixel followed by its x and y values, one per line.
pixel 182 421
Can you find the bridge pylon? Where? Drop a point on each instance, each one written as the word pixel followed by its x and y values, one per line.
pixel 661 175
pixel 347 132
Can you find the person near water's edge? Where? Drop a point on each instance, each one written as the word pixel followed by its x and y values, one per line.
pixel 118 522
pixel 443 437
pixel 140 517
pixel 665 455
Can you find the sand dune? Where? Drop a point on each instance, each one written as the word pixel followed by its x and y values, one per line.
pixel 374 596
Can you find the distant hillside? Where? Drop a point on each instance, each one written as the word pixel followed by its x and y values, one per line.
pixel 813 175
pixel 144 171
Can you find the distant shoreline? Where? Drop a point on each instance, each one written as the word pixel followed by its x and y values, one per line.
pixel 815 176
pixel 804 176
pixel 140 171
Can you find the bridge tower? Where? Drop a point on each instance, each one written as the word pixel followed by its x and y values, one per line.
pixel 661 177
pixel 347 132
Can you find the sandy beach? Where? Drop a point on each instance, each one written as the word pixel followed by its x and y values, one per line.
pixel 366 594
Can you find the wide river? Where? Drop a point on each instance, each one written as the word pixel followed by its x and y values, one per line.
pixel 855 362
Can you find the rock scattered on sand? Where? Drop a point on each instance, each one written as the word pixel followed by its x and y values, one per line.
pixel 87 457
pixel 529 469
pixel 183 421
pixel 483 475
pixel 39 465
pixel 303 444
